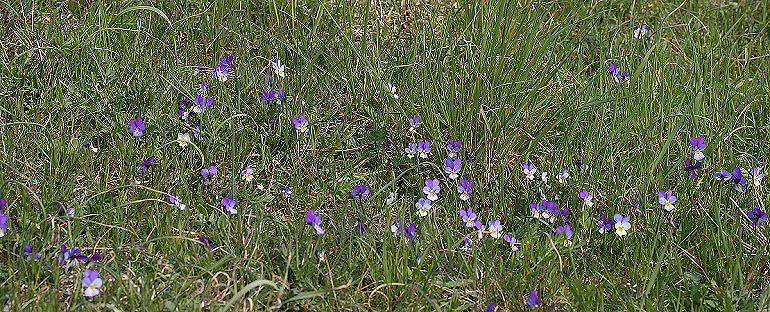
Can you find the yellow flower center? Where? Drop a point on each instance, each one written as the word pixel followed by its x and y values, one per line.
pixel 91 287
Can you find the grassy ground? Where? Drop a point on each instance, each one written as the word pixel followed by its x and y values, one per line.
pixel 518 82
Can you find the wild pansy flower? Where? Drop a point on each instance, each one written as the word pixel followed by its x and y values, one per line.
pixel 691 168
pixel 247 174
pixel 604 224
pixel 544 177
pixel 146 163
pixel 495 229
pixel 209 175
pixel 395 228
pixel 174 200
pixel 453 168
pixel 30 253
pixel 617 75
pixel 136 127
pixel 203 87
pixel 480 227
pixel 270 96
pixel 360 192
pixel 563 176
pixel 209 244
pixel 227 60
pixel 280 69
pixel 411 150
pixel 549 210
pixel 183 139
pixel 361 228
pixel 183 113
pixel 423 205
pixel 587 198
pixel 533 301
pixel 469 217
pixel 286 190
pixel 536 210
pixel 567 231
pixel 392 90
pixel 414 123
pixel 639 32
pixel 491 307
pixel 222 72
pixel 465 189
pixel 723 175
pixel 431 189
pixel 757 216
pixel 3 224
pixel 201 103
pixel 301 124
pixel 622 224
pixel 454 147
pixel 667 199
pixel 229 205
pixel 579 163
pixel 68 257
pixel 64 211
pixel 529 171
pixel 738 179
pixel 91 282
pixel 698 147
pixel 198 69
pixel 511 240
pixel 757 177
pixel 314 220
pixel 423 149
pixel 410 232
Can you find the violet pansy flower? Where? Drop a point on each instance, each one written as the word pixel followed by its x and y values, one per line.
pixel 174 200
pixel 314 220
pixel 91 282
pixel 495 229
pixel 279 69
pixel 667 199
pixel 587 198
pixel 414 123
pixel 411 150
pixel 698 146
pixel 605 225
pixel 738 179
pixel 622 224
pixel 454 148
pixel 756 176
pixel 691 169
pixel 423 149
pixel 247 174
pixel 453 168
pixel 512 241
pixel 469 217
pixel 423 206
pixel 209 175
pixel 639 32
pixel 431 188
pixel 529 171
pixel 229 205
pixel 465 189
pixel 30 253
pixel 146 163
pixel 757 216
pixel 360 192
pixel 201 103
pixel 137 127
pixel 301 124
pixel 567 231
pixel 533 301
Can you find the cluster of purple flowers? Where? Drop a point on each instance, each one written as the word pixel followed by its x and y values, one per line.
pixel 616 74
pixel 548 211
pixel 407 231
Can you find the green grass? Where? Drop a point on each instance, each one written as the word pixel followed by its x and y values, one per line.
pixel 518 82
